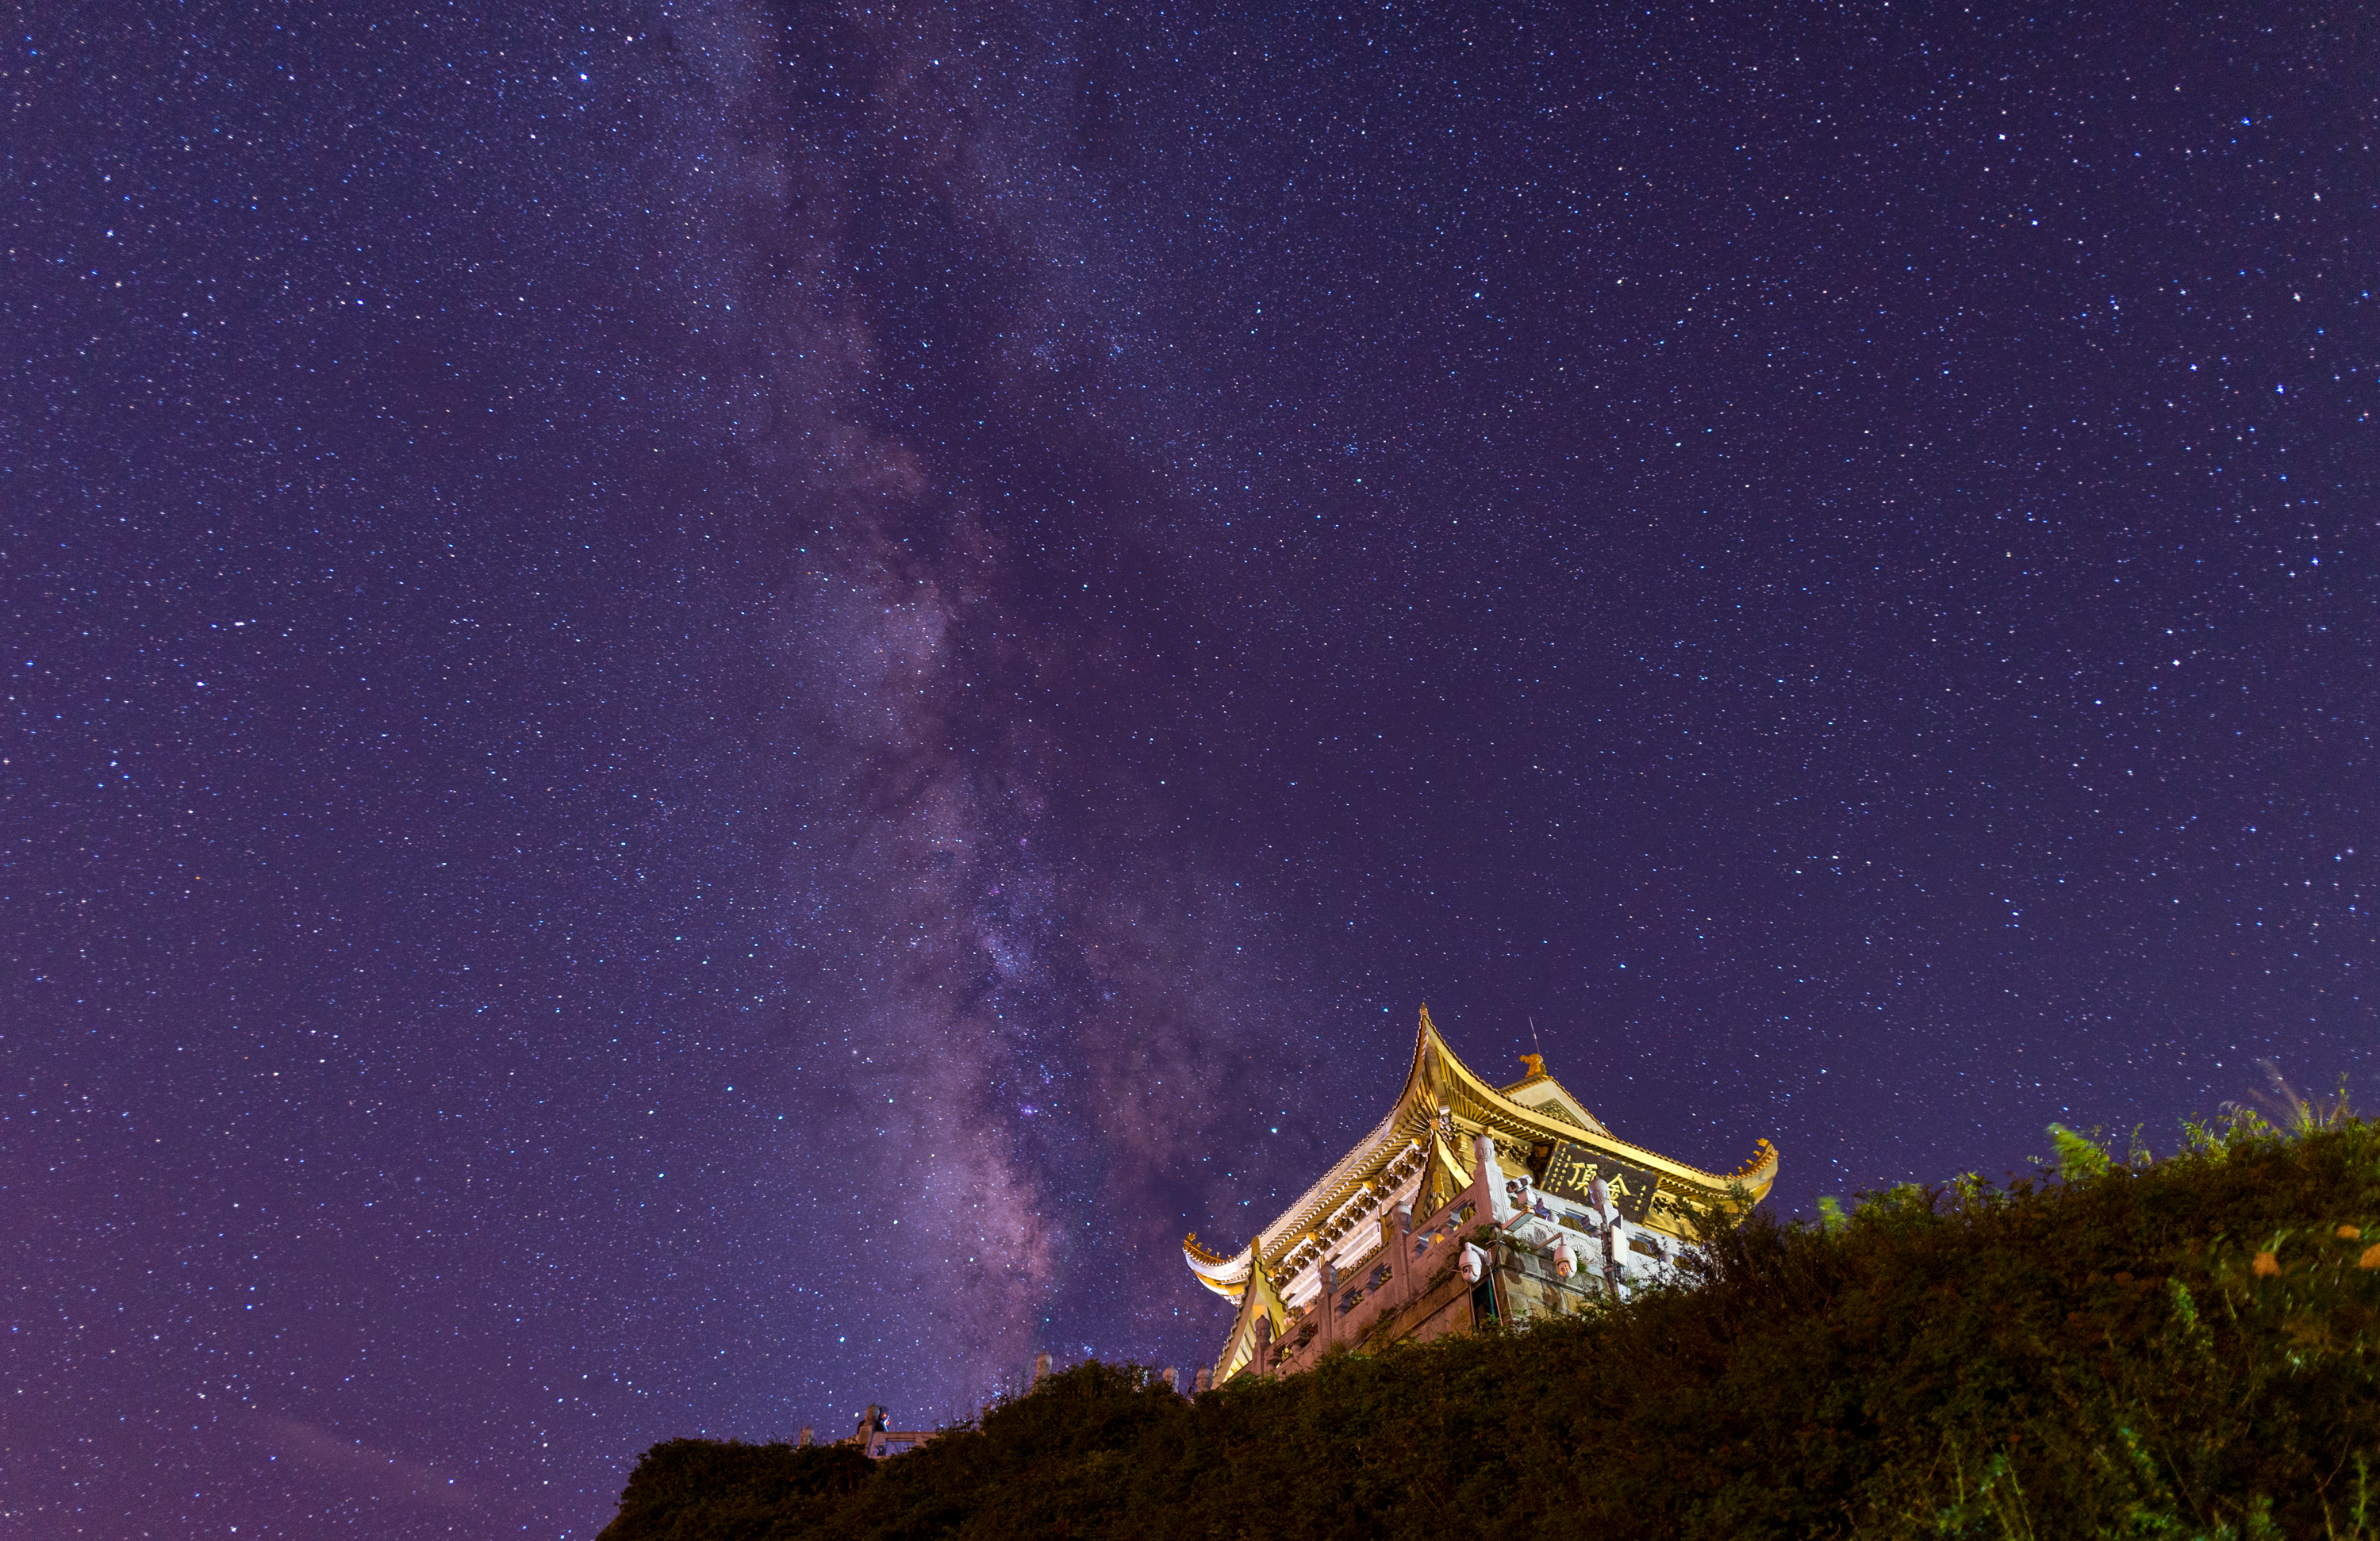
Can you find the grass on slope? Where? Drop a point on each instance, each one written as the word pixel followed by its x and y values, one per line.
pixel 2181 1349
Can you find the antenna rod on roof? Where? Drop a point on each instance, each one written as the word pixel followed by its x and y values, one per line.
pixel 1533 1042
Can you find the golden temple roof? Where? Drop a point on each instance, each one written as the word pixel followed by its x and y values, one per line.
pixel 1536 1109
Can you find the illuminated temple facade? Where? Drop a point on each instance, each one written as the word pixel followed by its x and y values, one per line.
pixel 1467 1202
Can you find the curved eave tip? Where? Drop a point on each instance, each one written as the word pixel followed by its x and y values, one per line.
pixel 1225 1276
pixel 1759 1174
pixel 1227 1292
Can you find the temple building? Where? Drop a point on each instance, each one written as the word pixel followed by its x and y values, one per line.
pixel 1466 1202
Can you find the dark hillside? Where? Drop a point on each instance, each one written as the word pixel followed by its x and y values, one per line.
pixel 2181 1349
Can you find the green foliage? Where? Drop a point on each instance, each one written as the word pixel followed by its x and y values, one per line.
pixel 2188 1349
pixel 2295 1113
pixel 2078 1159
pixel 699 1490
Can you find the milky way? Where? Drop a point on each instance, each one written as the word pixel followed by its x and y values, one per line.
pixel 715 709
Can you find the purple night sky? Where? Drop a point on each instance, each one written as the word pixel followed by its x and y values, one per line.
pixel 712 709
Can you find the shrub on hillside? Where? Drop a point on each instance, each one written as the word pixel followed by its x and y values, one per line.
pixel 2178 1348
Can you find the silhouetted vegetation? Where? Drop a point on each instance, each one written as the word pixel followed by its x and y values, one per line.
pixel 2183 1348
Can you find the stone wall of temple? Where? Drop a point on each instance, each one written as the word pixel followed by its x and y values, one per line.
pixel 1534 1257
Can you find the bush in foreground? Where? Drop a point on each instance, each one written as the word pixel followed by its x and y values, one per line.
pixel 2182 1349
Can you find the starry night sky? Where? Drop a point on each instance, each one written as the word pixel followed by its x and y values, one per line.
pixel 711 711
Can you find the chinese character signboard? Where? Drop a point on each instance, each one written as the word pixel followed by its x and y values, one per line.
pixel 1571 1170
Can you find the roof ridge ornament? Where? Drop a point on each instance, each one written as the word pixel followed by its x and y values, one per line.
pixel 1430 1073
pixel 1763 1154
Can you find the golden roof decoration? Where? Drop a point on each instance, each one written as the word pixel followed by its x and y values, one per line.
pixel 1260 1301
pixel 1447 1176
